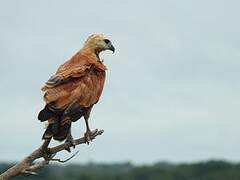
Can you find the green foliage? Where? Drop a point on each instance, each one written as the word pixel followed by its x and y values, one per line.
pixel 211 170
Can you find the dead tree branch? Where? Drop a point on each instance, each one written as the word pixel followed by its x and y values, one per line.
pixel 27 165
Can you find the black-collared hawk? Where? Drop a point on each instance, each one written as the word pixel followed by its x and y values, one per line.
pixel 77 85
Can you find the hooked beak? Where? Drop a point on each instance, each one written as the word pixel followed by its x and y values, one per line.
pixel 111 47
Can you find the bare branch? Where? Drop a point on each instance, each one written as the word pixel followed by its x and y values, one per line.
pixel 29 172
pixel 27 165
pixel 63 161
pixel 76 142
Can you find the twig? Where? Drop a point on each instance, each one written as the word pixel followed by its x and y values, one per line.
pixel 27 166
pixel 63 161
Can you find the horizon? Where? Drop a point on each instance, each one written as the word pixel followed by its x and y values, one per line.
pixel 171 91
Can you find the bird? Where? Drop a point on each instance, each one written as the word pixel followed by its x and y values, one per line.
pixel 74 89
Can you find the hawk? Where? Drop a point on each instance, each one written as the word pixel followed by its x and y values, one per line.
pixel 75 88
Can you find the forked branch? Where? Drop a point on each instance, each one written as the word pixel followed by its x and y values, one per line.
pixel 27 165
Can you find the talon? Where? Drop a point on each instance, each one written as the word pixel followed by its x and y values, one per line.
pixel 87 136
pixel 46 154
pixel 68 149
pixel 72 144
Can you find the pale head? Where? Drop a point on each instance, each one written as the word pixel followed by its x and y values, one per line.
pixel 98 43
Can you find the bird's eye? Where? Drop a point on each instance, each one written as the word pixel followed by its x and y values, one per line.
pixel 106 41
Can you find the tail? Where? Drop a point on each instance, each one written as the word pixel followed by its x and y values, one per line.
pixel 59 120
pixel 57 130
pixel 48 112
pixel 62 132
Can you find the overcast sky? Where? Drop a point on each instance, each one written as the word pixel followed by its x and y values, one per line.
pixel 172 90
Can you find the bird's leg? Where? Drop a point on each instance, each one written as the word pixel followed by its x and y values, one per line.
pixel 70 139
pixel 45 150
pixel 88 132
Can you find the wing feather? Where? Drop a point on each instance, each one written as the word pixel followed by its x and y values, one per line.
pixel 64 76
pixel 82 84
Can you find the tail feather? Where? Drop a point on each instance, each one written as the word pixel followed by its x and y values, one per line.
pixel 57 131
pixel 51 129
pixel 62 132
pixel 48 133
pixel 59 120
pixel 47 112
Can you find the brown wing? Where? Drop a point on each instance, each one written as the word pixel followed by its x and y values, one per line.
pixel 65 75
pixel 82 84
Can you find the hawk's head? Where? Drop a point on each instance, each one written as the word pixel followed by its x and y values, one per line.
pixel 98 43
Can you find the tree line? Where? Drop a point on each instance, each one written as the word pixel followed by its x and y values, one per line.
pixel 210 170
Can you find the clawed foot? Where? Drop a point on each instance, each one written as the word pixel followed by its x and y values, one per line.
pixel 87 136
pixel 46 154
pixel 70 140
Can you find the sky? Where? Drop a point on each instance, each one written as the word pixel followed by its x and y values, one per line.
pixel 172 87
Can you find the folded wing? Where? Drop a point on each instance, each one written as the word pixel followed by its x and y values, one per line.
pixel 75 82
